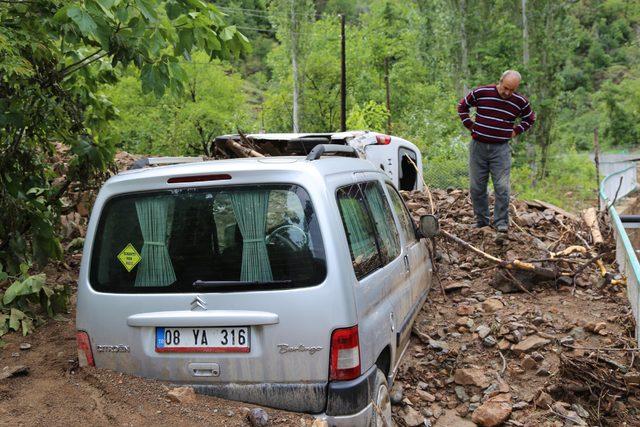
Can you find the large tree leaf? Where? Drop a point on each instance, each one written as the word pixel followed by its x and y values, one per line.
pixel 81 17
pixel 227 33
pixel 31 285
pixel 147 9
pixel 15 317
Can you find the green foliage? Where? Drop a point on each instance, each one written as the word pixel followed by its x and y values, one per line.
pixel 213 103
pixel 571 182
pixel 27 299
pixel 371 116
pixel 54 56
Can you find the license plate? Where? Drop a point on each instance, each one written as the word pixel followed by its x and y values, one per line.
pixel 203 340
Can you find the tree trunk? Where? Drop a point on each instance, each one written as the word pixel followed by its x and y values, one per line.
pixel 525 35
pixel 464 64
pixel 388 91
pixel 529 147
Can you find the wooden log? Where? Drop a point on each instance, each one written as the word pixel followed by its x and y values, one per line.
pixel 240 150
pixel 590 217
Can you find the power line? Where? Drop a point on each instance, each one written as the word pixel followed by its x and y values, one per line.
pixel 247 14
pixel 274 31
pixel 262 12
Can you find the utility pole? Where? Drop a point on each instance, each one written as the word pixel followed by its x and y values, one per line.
pixel 294 68
pixel 343 77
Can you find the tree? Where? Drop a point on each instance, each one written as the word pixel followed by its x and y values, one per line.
pixel 547 60
pixel 54 56
pixel 213 103
pixel 291 19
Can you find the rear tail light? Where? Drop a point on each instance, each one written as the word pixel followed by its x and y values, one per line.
pixel 383 139
pixel 345 354
pixel 85 354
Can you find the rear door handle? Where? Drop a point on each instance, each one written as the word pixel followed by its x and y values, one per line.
pixel 407 267
pixel 204 369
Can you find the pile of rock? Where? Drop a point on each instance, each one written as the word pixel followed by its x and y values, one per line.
pixel 483 355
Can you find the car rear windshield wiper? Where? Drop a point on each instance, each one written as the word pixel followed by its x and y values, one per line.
pixel 240 285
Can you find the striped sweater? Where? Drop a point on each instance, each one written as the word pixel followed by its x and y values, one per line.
pixel 495 117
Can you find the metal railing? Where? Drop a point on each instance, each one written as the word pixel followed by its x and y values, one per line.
pixel 624 183
pixel 625 253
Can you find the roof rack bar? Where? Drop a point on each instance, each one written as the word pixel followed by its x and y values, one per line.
pixel 156 161
pixel 173 160
pixel 321 149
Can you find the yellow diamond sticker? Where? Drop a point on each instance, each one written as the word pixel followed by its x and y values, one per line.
pixel 129 257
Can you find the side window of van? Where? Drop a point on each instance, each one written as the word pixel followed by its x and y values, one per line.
pixel 368 222
pixel 386 230
pixel 359 229
pixel 406 223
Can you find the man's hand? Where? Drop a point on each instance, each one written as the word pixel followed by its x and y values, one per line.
pixel 513 134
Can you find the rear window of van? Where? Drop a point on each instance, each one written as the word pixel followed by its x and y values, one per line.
pixel 208 240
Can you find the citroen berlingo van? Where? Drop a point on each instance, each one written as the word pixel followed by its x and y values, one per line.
pixel 288 282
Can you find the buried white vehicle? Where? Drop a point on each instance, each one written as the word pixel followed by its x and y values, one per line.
pixel 289 282
pixel 399 158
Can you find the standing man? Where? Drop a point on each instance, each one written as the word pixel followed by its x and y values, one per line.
pixel 497 109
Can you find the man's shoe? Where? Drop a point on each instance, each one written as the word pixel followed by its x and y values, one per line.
pixel 481 225
pixel 502 235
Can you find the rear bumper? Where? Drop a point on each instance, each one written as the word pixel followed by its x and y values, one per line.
pixel 340 403
pixel 307 397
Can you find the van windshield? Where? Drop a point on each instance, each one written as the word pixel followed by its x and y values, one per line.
pixel 243 238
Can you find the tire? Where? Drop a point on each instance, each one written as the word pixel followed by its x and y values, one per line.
pixel 381 416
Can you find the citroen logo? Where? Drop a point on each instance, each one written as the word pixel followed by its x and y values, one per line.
pixel 198 303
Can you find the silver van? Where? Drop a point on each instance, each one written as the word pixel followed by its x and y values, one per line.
pixel 287 282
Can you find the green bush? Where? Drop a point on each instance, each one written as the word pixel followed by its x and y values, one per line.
pixel 27 299
pixel 570 183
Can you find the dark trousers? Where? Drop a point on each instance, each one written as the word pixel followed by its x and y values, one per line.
pixel 490 159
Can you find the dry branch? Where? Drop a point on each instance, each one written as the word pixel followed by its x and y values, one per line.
pixel 545 273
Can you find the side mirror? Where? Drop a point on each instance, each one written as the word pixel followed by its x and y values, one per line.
pixel 429 226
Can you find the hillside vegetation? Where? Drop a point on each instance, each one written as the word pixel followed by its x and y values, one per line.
pixel 164 77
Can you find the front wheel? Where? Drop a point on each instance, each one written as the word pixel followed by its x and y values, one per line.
pixel 381 402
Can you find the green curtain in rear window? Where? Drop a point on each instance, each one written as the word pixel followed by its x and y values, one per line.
pixel 155 217
pixel 250 209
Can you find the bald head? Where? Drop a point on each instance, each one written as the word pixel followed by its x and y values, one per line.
pixel 509 83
